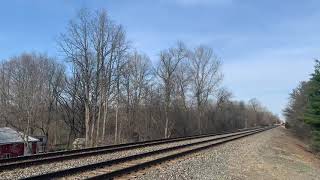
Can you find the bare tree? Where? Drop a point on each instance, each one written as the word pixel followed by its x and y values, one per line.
pixel 206 76
pixel 255 106
pixel 120 57
pixel 169 60
pixel 138 75
pixel 183 81
pixel 93 44
pixel 75 44
pixel 72 107
pixel 29 87
pixel 53 80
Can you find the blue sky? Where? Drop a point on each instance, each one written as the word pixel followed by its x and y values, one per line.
pixel 267 47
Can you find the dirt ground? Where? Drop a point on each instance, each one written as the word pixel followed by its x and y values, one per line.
pixel 285 157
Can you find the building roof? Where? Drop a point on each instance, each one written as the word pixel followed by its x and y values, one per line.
pixel 9 135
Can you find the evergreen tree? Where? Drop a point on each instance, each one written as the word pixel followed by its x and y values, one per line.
pixel 312 112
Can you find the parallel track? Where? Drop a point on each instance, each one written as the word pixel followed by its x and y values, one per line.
pixel 25 161
pixel 117 167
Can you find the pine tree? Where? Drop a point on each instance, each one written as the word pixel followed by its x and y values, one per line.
pixel 312 112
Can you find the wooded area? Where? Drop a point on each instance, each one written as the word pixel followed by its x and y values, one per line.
pixel 303 111
pixel 108 92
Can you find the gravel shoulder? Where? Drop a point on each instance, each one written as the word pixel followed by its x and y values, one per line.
pixel 273 154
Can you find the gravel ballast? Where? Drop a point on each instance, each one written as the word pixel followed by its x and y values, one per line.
pixel 45 168
pixel 272 154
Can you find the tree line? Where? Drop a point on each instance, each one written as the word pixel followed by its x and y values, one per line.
pixel 108 92
pixel 303 110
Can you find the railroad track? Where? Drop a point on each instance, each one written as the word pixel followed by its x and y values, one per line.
pixel 26 161
pixel 124 165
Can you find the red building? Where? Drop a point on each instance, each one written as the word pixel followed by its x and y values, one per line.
pixel 14 143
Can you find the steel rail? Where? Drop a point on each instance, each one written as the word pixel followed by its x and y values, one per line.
pixel 49 154
pixel 136 167
pixel 75 170
pixel 25 161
